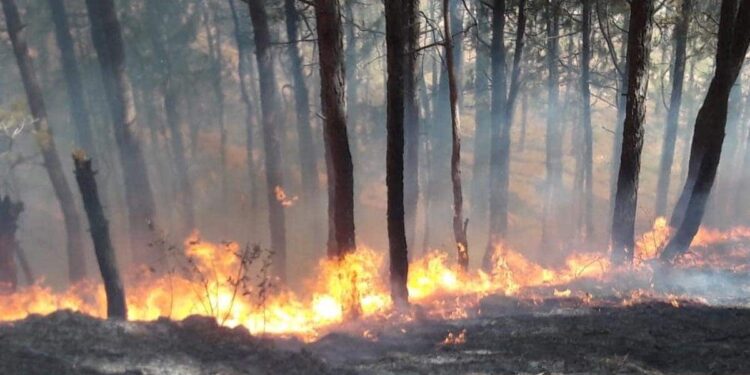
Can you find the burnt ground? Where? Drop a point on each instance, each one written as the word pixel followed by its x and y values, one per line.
pixel 510 336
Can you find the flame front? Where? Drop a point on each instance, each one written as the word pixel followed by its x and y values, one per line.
pixel 219 283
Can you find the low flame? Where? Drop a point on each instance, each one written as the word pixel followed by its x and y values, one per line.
pixel 219 282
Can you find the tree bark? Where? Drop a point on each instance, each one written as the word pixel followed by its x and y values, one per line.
pixel 626 197
pixel 482 121
pixel 105 252
pixel 710 124
pixel 459 226
pixel 675 101
pixel 107 36
pixel 308 161
pixel 271 142
pixel 46 142
pixel 74 85
pixel 395 37
pixel 588 141
pixel 333 102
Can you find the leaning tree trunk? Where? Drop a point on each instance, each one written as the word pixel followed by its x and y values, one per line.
pixel 46 142
pixel 170 92
pixel 626 197
pixel 411 120
pixel 333 102
pixel 708 136
pixel 308 164
pixel 459 226
pixel 395 37
pixel 74 85
pixel 105 252
pixel 588 141
pixel 9 213
pixel 554 133
pixel 675 101
pixel 269 103
pixel 107 36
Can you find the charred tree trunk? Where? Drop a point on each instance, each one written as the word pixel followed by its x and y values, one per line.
pixel 308 164
pixel 9 213
pixel 411 120
pixel 708 136
pixel 588 141
pixel 269 103
pixel 502 113
pixel 74 85
pixel 352 83
pixel 170 92
pixel 397 55
pixel 459 226
pixel 105 252
pixel 497 222
pixel 626 198
pixel 675 101
pixel 46 142
pixel 107 37
pixel 554 133
pixel 332 97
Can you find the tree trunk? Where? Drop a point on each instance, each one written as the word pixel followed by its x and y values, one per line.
pixel 308 164
pixel 710 124
pixel 105 252
pixel 74 85
pixel 459 226
pixel 626 197
pixel 217 62
pixel 397 55
pixel 497 222
pixel 352 83
pixel 107 37
pixel 9 213
pixel 170 92
pixel 333 102
pixel 554 133
pixel 46 142
pixel 271 142
pixel 588 141
pixel 675 101
pixel 411 120
pixel 482 121
pixel 243 72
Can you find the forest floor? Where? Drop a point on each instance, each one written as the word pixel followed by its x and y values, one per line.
pixel 563 335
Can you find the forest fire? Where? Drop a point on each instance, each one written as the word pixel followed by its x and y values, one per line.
pixel 222 281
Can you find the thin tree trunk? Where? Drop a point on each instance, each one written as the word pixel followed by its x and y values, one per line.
pixel 105 252
pixel 459 226
pixel 588 141
pixel 708 136
pixel 554 133
pixel 170 91
pixel 9 213
pixel 333 102
pixel 107 37
pixel 308 160
pixel 46 142
pixel 482 121
pixel 675 101
pixel 411 120
pixel 626 198
pixel 397 55
pixel 74 85
pixel 271 119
